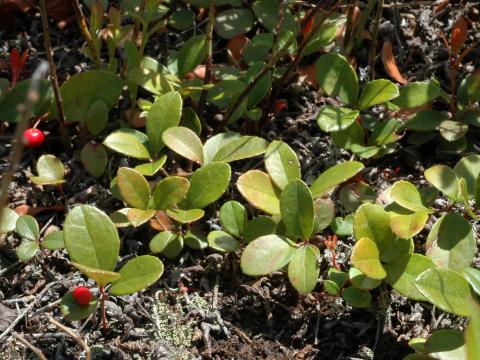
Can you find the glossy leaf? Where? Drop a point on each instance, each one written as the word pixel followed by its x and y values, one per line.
pixel 27 227
pixel 222 241
pixel 151 168
pixel 444 179
pixel 266 254
pixel 468 168
pixel 366 258
pixel 473 277
pixel 169 191
pixel 133 187
pixel 337 78
pixel 258 189
pixel 137 274
pixel 417 94
pixel 242 148
pixel 304 268
pixel 426 120
pixel 91 238
pixel 472 333
pixel 233 22
pixel 334 176
pixel 408 225
pixel 282 163
pixel 233 217
pixel 336 118
pixel 446 344
pixel 185 216
pixel 195 240
pixel 151 80
pixel 451 242
pixel 296 208
pixel 212 145
pixel 8 220
pixel 126 143
pixel 207 185
pixel 101 277
pixel 138 217
pixel 164 113
pixel 446 289
pixel 184 142
pixel 452 130
pixel 50 171
pixel 402 272
pixel 377 92
pixel 407 195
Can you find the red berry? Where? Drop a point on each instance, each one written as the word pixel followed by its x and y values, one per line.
pixel 33 138
pixel 82 295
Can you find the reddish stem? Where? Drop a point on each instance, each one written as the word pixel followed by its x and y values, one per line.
pixel 103 298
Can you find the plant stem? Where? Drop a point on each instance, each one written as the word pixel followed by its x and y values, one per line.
pixel 349 26
pixel 208 65
pixel 53 75
pixel 25 342
pixel 103 298
pixel 357 38
pixel 82 23
pixel 373 47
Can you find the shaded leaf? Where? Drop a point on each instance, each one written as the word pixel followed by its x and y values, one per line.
pixel 377 92
pixel 185 216
pixel 334 176
pixel 222 241
pixel 233 217
pixel 242 148
pixel 304 268
pixel 336 118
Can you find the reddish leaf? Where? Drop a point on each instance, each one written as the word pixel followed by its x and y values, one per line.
pixel 280 105
pixel 309 73
pixel 389 63
pixel 459 35
pixel 197 73
pixel 17 63
pixel 235 47
pixel 306 28
pixel 161 222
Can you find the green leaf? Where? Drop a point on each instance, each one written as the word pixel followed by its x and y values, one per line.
pixel 233 22
pixel 331 288
pixel 169 192
pixel 444 179
pixel 266 254
pixel 50 171
pixel 133 187
pixel 27 227
pixel 343 227
pixel 126 143
pixel 195 240
pixel 472 333
pixel 361 281
pixel 151 80
pixel 185 216
pixel 408 225
pixel 137 274
pixel 468 168
pixel 473 277
pixel 94 158
pixel 191 54
pixel 426 120
pixel 212 145
pixel 97 117
pixel 337 78
pixel 296 208
pixel 258 189
pixel 451 242
pixel 267 12
pixel 377 92
pixel 151 168
pixel 120 218
pixel 53 241
pixel 164 113
pixel 27 249
pixel 72 311
pixel 324 210
pixel 355 194
pixel 366 258
pixel 356 298
pixel 407 195
pixel 182 19
pixel 207 185
pixel 304 268
pixel 91 238
pixel 446 289
pixel 184 142
pixel 446 344
pixel 417 94
pixel 80 91
pixel 338 277
pixel 452 130
pixel 233 217
pixel 8 220
pixel 282 163
pixel 242 148
pixel 222 241
pixel 259 226
pixel 402 272
pixel 336 119
pixel 192 121
pixel 138 217
pixel 373 222
pixel 16 96
pixel 334 176
pixel 167 243
pixel 101 277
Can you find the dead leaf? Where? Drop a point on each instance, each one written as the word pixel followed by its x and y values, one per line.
pixel 161 222
pixel 235 48
pixel 197 73
pixel 459 35
pixel 309 74
pixel 389 63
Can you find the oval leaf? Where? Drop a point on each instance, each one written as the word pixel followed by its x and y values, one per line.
pixel 366 258
pixel 258 189
pixel 27 227
pixel 126 143
pixel 296 208
pixel 242 148
pixel 169 192
pixel 233 218
pixel 184 142
pixel 303 268
pixel 377 92
pixel 282 163
pixel 223 242
pixel 133 188
pixel 444 179
pixel 334 176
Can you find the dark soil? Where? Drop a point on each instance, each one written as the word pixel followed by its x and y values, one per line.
pixel 202 295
